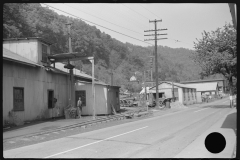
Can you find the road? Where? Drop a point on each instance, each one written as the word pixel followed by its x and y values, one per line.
pixel 158 137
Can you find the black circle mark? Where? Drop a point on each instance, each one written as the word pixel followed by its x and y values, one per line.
pixel 215 142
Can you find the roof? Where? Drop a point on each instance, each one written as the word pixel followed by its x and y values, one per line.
pixel 98 82
pixel 211 86
pixel 11 56
pixel 174 84
pixel 76 72
pixel 28 38
pixel 199 81
pixel 63 57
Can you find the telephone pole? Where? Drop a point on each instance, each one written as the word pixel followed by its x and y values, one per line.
pixel 156 61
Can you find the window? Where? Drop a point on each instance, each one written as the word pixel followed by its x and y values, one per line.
pixel 175 90
pixel 50 99
pixel 44 53
pixel 184 96
pixel 18 99
pixel 82 94
pixel 188 95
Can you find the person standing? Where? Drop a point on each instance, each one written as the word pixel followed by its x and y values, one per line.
pixel 79 107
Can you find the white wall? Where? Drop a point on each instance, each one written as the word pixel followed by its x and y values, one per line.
pixel 25 48
pixel 100 99
pixel 30 49
pixel 180 94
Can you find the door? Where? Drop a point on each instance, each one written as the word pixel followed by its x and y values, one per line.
pixel 82 94
pixel 50 99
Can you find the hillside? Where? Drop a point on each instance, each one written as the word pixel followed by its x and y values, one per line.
pixel 124 59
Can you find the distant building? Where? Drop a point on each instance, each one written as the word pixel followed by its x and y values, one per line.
pixel 32 88
pixel 183 93
pixel 211 87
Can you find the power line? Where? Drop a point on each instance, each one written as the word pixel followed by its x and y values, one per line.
pixel 98 24
pixel 128 17
pixel 150 11
pixel 136 12
pixel 104 20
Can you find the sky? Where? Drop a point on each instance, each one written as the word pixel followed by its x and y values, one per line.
pixel 185 22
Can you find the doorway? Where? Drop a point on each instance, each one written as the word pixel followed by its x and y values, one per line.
pixel 50 99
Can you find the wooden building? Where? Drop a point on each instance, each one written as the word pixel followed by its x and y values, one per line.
pixel 34 89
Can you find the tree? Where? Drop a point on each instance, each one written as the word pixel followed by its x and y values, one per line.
pixel 216 53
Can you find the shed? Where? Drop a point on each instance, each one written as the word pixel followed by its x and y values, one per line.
pixel 106 97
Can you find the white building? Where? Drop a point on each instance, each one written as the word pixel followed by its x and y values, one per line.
pixel 183 93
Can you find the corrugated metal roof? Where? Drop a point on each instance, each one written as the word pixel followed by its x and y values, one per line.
pixel 9 55
pixel 211 86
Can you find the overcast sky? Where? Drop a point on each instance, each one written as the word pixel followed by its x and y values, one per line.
pixel 184 22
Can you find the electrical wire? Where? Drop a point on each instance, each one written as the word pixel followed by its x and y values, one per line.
pixel 136 12
pixel 127 16
pixel 150 11
pixel 104 20
pixel 98 24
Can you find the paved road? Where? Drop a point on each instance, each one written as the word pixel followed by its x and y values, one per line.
pixel 158 137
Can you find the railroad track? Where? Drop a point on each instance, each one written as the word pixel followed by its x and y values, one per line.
pixel 129 114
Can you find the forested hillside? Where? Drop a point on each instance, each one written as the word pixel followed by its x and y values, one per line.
pixel 123 59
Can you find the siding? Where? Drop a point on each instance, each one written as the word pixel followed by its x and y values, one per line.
pixel 35 81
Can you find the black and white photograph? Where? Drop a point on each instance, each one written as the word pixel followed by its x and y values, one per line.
pixel 119 80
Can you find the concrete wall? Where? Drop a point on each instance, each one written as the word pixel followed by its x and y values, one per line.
pixel 36 81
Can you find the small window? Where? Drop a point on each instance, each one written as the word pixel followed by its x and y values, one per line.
pixel 18 99
pixel 175 90
pixel 44 53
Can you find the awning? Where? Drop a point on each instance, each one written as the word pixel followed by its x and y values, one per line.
pixel 63 57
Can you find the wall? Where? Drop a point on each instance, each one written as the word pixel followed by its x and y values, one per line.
pixel 30 49
pixel 199 97
pixel 36 81
pixel 180 94
pixel 25 48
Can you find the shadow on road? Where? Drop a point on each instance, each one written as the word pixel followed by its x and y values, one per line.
pixel 230 122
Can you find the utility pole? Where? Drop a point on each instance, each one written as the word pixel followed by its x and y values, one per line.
pixel 145 97
pixel 156 61
pixel 70 69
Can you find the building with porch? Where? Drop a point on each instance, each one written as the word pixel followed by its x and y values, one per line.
pixel 207 87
